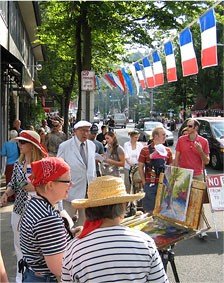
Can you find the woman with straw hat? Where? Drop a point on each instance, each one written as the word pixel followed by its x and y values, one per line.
pixel 43 235
pixel 106 251
pixel 30 150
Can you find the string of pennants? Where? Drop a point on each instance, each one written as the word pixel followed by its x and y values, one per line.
pixel 153 75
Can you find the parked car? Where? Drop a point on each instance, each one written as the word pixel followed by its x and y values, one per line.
pixel 145 129
pixel 120 120
pixel 212 128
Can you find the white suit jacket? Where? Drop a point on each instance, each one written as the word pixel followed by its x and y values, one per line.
pixel 81 176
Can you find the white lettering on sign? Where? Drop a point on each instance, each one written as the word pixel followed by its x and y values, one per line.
pixel 215 186
pixel 88 80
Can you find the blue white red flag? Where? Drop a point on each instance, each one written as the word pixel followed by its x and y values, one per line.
pixel 110 79
pixel 188 57
pixel 106 82
pixel 98 83
pixel 117 82
pixel 127 80
pixel 171 70
pixel 157 69
pixel 121 78
pixel 140 75
pixel 133 72
pixel 148 72
pixel 208 40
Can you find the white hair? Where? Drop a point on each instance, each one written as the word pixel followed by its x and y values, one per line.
pixel 13 134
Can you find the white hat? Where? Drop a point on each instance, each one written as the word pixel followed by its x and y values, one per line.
pixel 161 149
pixel 82 124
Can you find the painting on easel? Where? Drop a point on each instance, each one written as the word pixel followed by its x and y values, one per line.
pixel 173 198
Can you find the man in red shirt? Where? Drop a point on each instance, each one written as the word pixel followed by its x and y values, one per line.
pixel 151 163
pixel 192 152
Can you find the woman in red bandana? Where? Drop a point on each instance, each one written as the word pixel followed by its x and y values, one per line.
pixel 43 235
pixel 30 150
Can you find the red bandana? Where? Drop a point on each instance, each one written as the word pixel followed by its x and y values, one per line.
pixel 90 226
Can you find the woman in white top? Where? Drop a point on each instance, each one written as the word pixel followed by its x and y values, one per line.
pixel 132 150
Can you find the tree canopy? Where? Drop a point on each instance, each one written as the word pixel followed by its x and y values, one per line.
pixel 96 35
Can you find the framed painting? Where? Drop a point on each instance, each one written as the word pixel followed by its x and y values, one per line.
pixel 173 196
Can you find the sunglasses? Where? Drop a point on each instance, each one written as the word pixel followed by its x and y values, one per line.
pixel 55 126
pixel 68 182
pixel 23 142
pixel 190 126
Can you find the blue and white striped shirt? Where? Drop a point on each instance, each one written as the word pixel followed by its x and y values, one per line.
pixel 113 254
pixel 42 233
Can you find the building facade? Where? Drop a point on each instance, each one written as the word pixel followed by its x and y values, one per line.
pixel 19 56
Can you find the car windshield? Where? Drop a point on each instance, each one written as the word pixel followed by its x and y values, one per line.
pixel 218 128
pixel 149 126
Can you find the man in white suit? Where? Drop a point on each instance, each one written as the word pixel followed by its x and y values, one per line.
pixel 79 153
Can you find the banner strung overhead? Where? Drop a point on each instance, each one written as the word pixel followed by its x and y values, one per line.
pixel 149 75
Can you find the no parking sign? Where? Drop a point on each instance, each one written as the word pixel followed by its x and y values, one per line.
pixel 215 186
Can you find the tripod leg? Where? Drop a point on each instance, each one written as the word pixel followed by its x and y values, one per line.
pixel 174 269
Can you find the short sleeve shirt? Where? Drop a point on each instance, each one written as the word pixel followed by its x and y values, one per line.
pixel 189 156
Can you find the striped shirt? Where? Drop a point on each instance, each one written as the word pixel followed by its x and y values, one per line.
pixel 42 233
pixel 113 254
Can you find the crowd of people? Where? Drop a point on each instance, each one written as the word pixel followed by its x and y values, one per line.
pixel 82 175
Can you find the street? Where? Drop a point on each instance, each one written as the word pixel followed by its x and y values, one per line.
pixel 196 260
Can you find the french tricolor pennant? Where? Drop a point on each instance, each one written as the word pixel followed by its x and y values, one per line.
pixel 148 72
pixel 121 78
pixel 188 57
pixel 208 40
pixel 157 69
pixel 106 82
pixel 171 70
pixel 133 72
pixel 127 80
pixel 140 75
pixel 110 79
pixel 117 82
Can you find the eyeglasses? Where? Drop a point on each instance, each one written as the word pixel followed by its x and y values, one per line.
pixel 190 126
pixel 23 142
pixel 68 182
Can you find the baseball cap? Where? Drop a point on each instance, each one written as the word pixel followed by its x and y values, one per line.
pixel 94 129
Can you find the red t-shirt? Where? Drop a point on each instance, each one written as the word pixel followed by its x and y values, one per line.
pixel 144 158
pixel 189 156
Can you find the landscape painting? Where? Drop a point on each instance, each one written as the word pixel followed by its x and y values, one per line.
pixel 173 197
pixel 164 233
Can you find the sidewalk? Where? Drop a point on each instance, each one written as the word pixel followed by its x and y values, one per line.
pixel 7 247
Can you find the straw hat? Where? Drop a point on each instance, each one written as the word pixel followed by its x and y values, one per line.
pixel 32 137
pixel 106 190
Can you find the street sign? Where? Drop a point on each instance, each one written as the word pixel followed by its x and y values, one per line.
pixel 215 185
pixel 88 80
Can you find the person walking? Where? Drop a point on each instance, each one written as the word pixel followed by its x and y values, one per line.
pixel 101 136
pixel 114 156
pixel 43 235
pixel 192 152
pixel 30 150
pixel 99 146
pixel 55 137
pixel 107 251
pixel 132 150
pixel 17 126
pixel 152 161
pixel 79 153
pixel 11 151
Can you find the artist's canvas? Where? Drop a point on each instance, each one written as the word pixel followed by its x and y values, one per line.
pixel 172 200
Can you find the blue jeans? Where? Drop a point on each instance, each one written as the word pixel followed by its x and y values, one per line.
pixel 148 202
pixel 29 276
